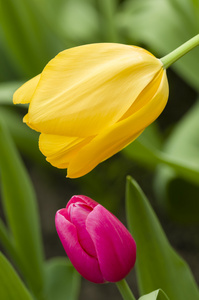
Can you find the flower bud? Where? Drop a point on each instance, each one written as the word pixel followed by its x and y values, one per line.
pixel 91 101
pixel 97 243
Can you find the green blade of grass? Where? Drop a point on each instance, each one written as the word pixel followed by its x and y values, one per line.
pixel 11 287
pixel 20 209
pixel 157 265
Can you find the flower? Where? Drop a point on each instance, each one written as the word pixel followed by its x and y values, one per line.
pixel 91 101
pixel 97 243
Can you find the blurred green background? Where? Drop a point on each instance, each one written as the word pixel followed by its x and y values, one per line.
pixel 164 159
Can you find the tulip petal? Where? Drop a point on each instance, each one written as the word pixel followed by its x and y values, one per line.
pixel 86 89
pixel 115 247
pixel 82 199
pixel 78 213
pixel 60 149
pixel 97 155
pixel 25 92
pixel 85 264
pixel 119 135
pixel 26 120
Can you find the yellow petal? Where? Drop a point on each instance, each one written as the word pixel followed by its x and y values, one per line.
pixel 119 135
pixel 25 92
pixel 59 150
pixel 86 89
pixel 26 120
pixel 146 95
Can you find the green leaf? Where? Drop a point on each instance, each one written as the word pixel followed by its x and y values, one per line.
pixel 183 143
pixel 149 156
pixel 172 190
pixel 11 287
pixel 157 265
pixel 156 295
pixel 28 35
pixel 62 280
pixel 144 21
pixel 8 244
pixel 20 208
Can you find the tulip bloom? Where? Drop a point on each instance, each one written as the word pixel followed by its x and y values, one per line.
pixel 97 243
pixel 91 101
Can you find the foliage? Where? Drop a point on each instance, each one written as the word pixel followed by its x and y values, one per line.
pixel 31 33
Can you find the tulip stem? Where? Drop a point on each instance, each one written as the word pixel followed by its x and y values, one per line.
pixel 173 56
pixel 125 291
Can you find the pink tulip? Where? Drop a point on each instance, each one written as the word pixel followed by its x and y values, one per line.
pixel 97 243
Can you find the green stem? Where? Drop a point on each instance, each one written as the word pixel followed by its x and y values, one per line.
pixel 125 290
pixel 170 58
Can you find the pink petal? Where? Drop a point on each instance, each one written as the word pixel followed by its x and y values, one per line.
pixel 78 214
pixel 115 247
pixel 85 264
pixel 83 199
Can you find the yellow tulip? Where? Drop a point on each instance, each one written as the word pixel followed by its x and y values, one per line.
pixel 91 101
